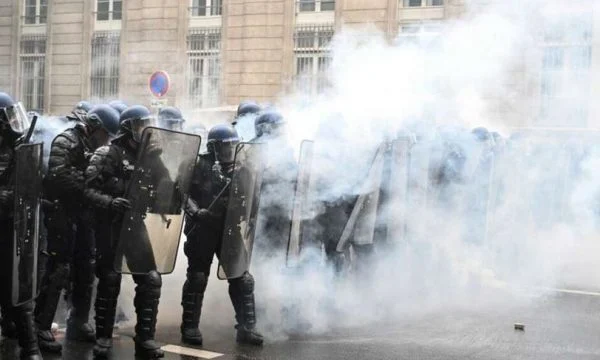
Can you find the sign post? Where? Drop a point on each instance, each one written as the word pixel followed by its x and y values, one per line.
pixel 159 84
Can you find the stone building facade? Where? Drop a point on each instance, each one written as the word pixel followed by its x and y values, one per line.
pixel 55 52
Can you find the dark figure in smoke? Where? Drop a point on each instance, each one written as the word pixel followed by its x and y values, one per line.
pixel 204 231
pixel 170 118
pixel 16 321
pixel 244 119
pixel 337 189
pixel 277 190
pixel 107 179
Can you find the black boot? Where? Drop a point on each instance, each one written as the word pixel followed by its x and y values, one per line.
pixel 147 297
pixel 23 316
pixel 56 276
pixel 191 301
pixel 48 343
pixel 241 291
pixel 109 286
pixel 78 327
pixel 7 325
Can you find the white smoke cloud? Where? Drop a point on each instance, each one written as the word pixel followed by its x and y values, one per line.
pixel 484 70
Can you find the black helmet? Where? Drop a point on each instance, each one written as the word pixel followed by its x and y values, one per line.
pixel 134 120
pixel 221 141
pixel 104 116
pixel 267 122
pixel 12 115
pixel 6 100
pixel 118 105
pixel 84 106
pixel 170 118
pixel 246 108
pixel 481 134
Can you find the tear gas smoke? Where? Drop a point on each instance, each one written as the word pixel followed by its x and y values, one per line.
pixel 479 225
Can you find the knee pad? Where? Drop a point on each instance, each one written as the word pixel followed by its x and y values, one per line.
pixel 112 278
pixel 154 279
pixel 197 280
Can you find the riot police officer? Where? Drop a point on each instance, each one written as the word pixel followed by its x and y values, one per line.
pixel 278 184
pixel 204 231
pixel 170 118
pixel 71 246
pixel 246 108
pixel 12 126
pixel 269 124
pixel 244 119
pixel 107 179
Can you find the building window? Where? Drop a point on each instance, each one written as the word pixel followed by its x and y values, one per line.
pixel 204 67
pixel 566 71
pixel 107 10
pixel 36 12
pixel 315 5
pixel 206 7
pixel 33 65
pixel 421 3
pixel 312 57
pixel 420 32
pixel 105 65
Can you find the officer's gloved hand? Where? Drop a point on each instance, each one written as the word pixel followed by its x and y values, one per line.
pixel 120 205
pixel 202 214
pixel 153 149
pixel 6 197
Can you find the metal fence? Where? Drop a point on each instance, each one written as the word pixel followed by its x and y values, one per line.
pixel 206 8
pixel 105 65
pixel 204 67
pixel 33 66
pixel 312 57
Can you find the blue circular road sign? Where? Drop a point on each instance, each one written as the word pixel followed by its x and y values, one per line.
pixel 159 83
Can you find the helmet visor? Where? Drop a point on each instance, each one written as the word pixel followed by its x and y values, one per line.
pixel 138 125
pixel 171 124
pixel 17 118
pixel 225 150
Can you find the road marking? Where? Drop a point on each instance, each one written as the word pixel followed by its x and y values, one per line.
pixel 576 292
pixel 203 354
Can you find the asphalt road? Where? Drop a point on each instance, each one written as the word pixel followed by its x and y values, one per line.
pixel 559 326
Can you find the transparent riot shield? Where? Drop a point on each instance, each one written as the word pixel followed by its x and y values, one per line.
pixel 392 210
pixel 150 232
pixel 242 210
pixel 299 207
pixel 361 222
pixel 28 187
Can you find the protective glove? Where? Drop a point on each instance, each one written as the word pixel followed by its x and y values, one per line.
pixel 6 198
pixel 120 205
pixel 202 215
pixel 153 149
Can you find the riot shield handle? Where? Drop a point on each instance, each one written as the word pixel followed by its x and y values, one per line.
pixel 25 138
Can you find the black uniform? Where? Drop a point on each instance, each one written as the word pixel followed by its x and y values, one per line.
pixel 204 239
pixel 21 315
pixel 70 234
pixel 107 179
